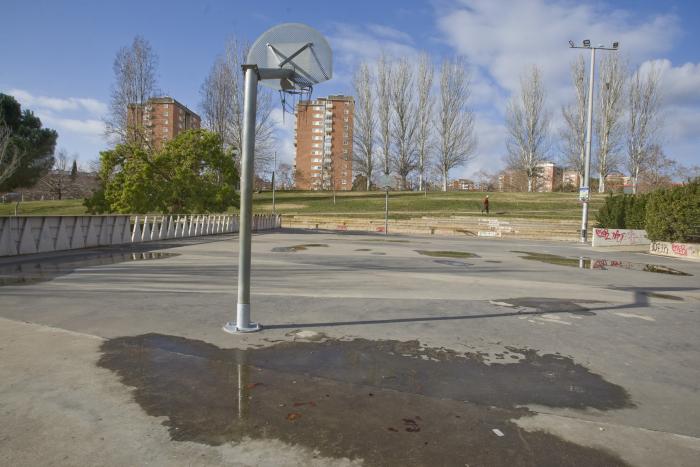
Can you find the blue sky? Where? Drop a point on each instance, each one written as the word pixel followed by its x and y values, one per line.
pixel 56 56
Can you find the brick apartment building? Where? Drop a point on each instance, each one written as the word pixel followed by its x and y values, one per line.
pixel 323 140
pixel 159 120
pixel 571 178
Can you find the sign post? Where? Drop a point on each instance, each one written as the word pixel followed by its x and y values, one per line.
pixel 385 182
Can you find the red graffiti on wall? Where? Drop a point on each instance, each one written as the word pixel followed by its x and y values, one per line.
pixel 679 249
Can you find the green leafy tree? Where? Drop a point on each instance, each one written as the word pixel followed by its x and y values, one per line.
pixel 191 173
pixel 36 144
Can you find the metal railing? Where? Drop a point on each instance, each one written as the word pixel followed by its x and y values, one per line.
pixel 20 235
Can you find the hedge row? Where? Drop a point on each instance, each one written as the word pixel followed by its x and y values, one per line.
pixel 667 214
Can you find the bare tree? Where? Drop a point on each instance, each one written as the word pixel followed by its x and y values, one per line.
pixel 404 124
pixel 644 103
pixel 527 121
pixel 222 106
pixel 135 82
pixel 574 132
pixel 424 84
pixel 609 117
pixel 58 181
pixel 456 141
pixel 384 108
pixel 659 170
pixel 285 176
pixel 10 155
pixel 365 123
pixel 218 94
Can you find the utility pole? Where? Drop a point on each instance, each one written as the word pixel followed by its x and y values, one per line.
pixel 585 190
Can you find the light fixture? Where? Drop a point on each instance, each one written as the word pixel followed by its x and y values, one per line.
pixel 571 43
pixel 586 42
pixel 616 45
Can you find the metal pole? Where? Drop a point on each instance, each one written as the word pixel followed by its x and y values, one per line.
pixel 242 323
pixel 386 212
pixel 587 164
pixel 273 183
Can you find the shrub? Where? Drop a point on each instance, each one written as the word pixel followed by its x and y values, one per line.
pixel 673 214
pixel 623 212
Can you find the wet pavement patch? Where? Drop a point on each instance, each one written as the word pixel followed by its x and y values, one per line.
pixel 448 262
pixel 363 249
pixel 599 264
pixel 43 270
pixel 447 254
pixel 547 305
pixel 295 248
pixel 386 402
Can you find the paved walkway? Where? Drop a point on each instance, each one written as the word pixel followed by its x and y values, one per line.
pixel 116 357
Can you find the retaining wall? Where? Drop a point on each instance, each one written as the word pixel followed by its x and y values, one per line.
pixel 565 230
pixel 619 237
pixel 676 250
pixel 21 235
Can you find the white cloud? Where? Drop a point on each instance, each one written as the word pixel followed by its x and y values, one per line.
pixel 58 104
pixel 86 127
pixel 501 39
pixel 507 37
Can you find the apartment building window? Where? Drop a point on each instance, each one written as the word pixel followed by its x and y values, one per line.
pixel 319 115
pixel 315 167
pixel 316 175
pixel 347 119
pixel 316 160
pixel 318 130
pixel 165 130
pixel 165 114
pixel 316 153
pixel 317 123
pixel 317 138
pixel 316 145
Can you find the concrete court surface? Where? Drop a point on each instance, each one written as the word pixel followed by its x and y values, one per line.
pixel 109 361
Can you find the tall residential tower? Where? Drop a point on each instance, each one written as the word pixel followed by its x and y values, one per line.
pixel 323 140
pixel 159 120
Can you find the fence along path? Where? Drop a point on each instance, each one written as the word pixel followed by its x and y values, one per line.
pixel 21 235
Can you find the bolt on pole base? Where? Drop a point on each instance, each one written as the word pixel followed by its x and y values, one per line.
pixel 242 323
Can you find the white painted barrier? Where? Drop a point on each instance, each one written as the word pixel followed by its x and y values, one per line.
pixel 619 237
pixel 676 250
pixel 20 235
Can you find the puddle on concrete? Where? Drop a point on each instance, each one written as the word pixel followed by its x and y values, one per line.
pixel 546 305
pixel 32 272
pixel 363 249
pixel 447 254
pixel 449 262
pixel 599 264
pixel 385 402
pixel 492 261
pixel 378 253
pixel 385 240
pixel 295 248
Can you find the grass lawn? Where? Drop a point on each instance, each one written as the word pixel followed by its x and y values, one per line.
pixel 411 204
pixel 371 204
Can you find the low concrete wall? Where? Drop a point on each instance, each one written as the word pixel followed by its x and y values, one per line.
pixel 477 226
pixel 619 237
pixel 21 235
pixel 676 250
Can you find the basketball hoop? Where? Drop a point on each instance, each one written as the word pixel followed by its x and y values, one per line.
pixel 290 58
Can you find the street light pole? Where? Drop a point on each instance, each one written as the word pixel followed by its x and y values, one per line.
pixel 585 190
pixel 587 164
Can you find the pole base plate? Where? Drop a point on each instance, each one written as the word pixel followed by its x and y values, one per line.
pixel 232 328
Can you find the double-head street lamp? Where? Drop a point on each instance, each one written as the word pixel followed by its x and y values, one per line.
pixel 584 192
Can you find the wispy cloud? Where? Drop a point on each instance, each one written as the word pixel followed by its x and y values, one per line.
pixel 58 104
